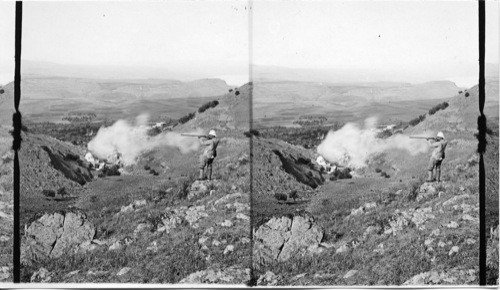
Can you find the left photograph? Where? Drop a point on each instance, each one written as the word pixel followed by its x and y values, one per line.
pixel 135 153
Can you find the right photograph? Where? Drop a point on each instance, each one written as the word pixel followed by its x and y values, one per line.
pixel 365 164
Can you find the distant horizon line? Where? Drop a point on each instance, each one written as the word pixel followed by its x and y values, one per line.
pixel 234 77
pixel 262 80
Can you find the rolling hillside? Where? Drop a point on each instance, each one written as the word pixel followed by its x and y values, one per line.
pixel 231 115
pixel 386 225
pixel 50 98
pixel 281 102
pixel 6 104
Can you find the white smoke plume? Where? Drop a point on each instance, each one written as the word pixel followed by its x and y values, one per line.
pixel 352 146
pixel 132 140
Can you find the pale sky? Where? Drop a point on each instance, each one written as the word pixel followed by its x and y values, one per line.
pixel 136 33
pixel 203 35
pixel 7 41
pixel 377 35
pixel 436 36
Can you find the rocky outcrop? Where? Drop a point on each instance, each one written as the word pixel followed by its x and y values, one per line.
pixel 301 168
pixel 70 165
pixel 173 217
pixel 268 279
pixel 5 273
pixel 455 276
pixel 50 164
pixel 41 276
pixel 401 219
pixel 281 238
pixel 361 210
pixel 54 234
pixel 427 190
pixel 232 275
pixel 201 188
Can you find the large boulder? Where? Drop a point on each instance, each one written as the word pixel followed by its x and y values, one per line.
pixel 282 237
pixel 53 234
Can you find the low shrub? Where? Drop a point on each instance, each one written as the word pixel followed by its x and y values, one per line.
pixel 413 191
pixel 206 106
pixel 384 134
pixel 49 193
pixel 436 108
pixel 62 192
pixel 154 131
pixel 310 120
pixel 417 120
pixel 183 188
pixel 79 117
pixel 344 173
pixel 109 171
pixel 186 118
pixel 492 258
pixel 281 196
pixel 293 195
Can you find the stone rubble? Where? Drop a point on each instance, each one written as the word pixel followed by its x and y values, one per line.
pixel 268 279
pixel 231 275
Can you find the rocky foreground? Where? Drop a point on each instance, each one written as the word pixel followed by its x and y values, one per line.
pixel 442 221
pixel 213 216
pixel 6 207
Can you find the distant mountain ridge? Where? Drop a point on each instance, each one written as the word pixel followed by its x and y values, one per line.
pixel 462 74
pixel 185 72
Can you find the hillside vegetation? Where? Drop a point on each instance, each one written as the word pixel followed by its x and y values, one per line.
pixel 379 229
pixel 153 223
pixel 279 102
pixel 6 205
pixel 51 98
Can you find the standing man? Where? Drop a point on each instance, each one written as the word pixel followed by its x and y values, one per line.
pixel 209 153
pixel 439 145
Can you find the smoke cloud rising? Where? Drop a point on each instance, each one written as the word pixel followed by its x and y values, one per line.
pixel 352 146
pixel 132 140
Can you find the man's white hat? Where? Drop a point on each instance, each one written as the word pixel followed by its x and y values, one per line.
pixel 212 133
pixel 440 135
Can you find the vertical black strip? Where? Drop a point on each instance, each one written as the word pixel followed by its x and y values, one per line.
pixel 253 279
pixel 16 144
pixel 481 123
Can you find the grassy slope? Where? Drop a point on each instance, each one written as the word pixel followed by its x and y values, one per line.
pixel 6 199
pixel 179 252
pixel 406 254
